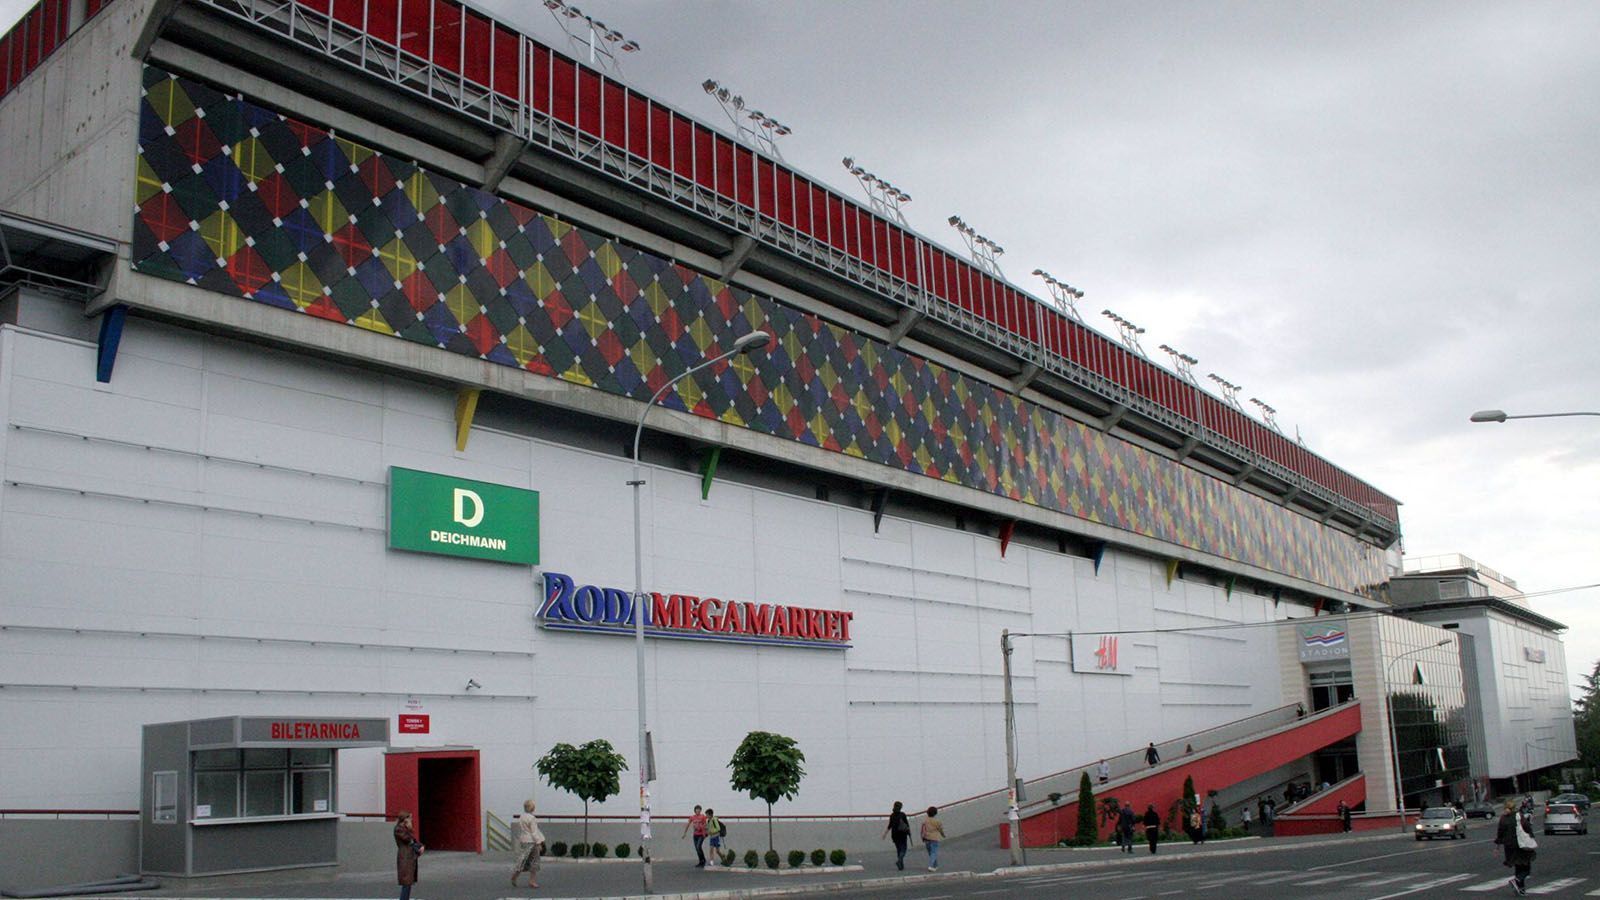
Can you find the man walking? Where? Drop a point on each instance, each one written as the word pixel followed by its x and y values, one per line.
pixel 1103 772
pixel 698 823
pixel 1151 754
pixel 1127 820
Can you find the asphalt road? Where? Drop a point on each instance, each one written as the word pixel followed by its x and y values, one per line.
pixel 1365 870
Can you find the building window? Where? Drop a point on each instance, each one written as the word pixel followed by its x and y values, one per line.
pixel 164 790
pixel 262 782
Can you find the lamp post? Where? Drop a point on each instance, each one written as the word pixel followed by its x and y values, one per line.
pixel 646 768
pixel 1012 816
pixel 1394 737
pixel 1499 415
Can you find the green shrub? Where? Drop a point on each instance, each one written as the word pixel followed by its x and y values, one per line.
pixel 837 857
pixel 599 850
pixel 559 848
pixel 771 859
pixel 751 859
pixel 623 850
pixel 797 858
pixel 818 857
pixel 728 857
pixel 1088 832
pixel 579 850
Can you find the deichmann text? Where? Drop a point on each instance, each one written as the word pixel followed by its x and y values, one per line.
pixel 589 608
pixel 467 540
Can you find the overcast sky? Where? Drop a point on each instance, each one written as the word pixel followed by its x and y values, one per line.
pixel 1377 218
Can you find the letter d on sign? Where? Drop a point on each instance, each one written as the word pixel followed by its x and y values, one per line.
pixel 462 497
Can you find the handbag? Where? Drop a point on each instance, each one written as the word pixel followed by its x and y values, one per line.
pixel 1525 840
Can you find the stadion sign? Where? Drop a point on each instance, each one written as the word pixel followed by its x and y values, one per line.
pixel 569 606
pixel 431 513
pixel 1323 641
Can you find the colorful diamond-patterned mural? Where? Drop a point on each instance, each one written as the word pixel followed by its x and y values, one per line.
pixel 242 201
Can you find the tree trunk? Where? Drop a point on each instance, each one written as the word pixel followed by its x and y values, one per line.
pixel 769 826
pixel 586 821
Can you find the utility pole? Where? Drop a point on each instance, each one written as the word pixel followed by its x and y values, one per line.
pixel 1011 753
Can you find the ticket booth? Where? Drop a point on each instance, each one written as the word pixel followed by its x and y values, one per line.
pixel 244 793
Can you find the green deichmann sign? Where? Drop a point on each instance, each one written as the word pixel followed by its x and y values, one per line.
pixel 431 513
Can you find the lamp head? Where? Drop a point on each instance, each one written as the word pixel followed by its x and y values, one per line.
pixel 1489 415
pixel 750 341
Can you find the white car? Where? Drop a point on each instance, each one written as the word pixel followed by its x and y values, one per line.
pixel 1565 817
pixel 1442 821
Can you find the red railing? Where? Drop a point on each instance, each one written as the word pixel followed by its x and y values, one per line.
pixel 484 57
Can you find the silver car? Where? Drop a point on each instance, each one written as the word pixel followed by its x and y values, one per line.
pixel 1442 822
pixel 1565 817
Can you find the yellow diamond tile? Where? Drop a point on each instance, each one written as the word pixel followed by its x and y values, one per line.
pixel 607 259
pixel 522 345
pixel 397 258
pixel 147 184
pixel 301 285
pixel 329 213
pixel 482 238
pixel 253 160
pixel 372 321
pixel 222 234
pixel 170 102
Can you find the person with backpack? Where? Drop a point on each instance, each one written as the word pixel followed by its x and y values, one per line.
pixel 932 837
pixel 718 832
pixel 899 828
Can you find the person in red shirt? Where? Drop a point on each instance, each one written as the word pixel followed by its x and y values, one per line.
pixel 698 823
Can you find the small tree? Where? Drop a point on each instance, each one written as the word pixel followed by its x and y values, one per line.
pixel 1088 831
pixel 768 766
pixel 590 771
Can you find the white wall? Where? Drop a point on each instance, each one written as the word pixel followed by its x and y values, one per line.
pixel 213 521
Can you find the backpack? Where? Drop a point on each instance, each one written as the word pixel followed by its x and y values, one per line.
pixel 722 829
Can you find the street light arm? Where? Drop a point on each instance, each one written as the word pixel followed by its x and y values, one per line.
pixel 1500 415
pixel 742 345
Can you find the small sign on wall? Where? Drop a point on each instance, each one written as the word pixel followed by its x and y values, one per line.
pixel 413 723
pixel 1323 641
pixel 1100 654
pixel 1533 655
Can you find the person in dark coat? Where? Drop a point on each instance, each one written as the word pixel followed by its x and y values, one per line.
pixel 1152 826
pixel 1519 859
pixel 1344 815
pixel 1151 754
pixel 407 849
pixel 898 829
pixel 1127 820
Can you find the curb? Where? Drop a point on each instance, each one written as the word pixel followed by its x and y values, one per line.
pixel 814 870
pixel 781 890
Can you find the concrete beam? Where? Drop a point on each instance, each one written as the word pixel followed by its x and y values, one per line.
pixel 1113 418
pixel 1248 470
pixel 908 320
pixel 154 24
pixel 729 265
pixel 1187 448
pixel 1029 372
pixel 507 150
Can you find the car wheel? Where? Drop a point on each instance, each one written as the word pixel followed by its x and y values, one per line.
pixel 1419 838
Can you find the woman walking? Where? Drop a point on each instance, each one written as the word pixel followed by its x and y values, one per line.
pixel 899 828
pixel 530 845
pixel 1515 837
pixel 932 837
pixel 1152 826
pixel 407 849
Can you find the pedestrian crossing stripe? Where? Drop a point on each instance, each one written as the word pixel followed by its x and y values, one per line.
pixel 1550 887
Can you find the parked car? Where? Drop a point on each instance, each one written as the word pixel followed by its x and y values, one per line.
pixel 1481 810
pixel 1581 801
pixel 1565 817
pixel 1442 821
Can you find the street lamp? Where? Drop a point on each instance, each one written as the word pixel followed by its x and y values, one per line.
pixel 1394 737
pixel 646 768
pixel 1499 415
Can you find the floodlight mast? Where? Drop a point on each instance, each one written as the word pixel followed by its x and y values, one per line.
pixel 1064 295
pixel 884 198
pixel 764 136
pixel 985 253
pixel 1268 414
pixel 1129 332
pixel 1183 363
pixel 584 32
pixel 1230 391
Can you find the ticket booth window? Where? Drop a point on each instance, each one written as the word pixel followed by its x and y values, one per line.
pixel 313 791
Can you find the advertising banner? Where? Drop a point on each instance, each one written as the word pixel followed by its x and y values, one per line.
pixel 431 513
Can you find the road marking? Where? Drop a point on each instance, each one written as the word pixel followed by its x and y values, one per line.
pixel 1330 879
pixel 1374 882
pixel 1553 886
pixel 1366 859
pixel 1218 882
pixel 995 891
pixel 1425 886
pixel 1495 885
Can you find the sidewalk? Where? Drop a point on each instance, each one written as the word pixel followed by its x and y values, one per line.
pixel 466 876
